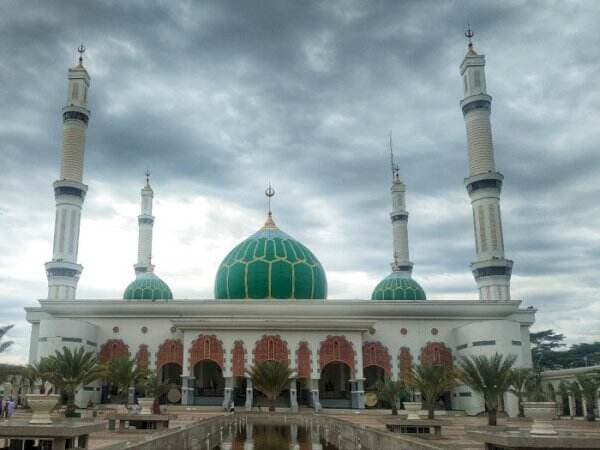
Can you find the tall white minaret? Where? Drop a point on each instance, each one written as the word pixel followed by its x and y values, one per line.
pixel 399 217
pixel 146 224
pixel 491 269
pixel 63 271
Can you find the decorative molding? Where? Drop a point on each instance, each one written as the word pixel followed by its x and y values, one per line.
pixel 112 349
pixel 206 348
pixel 303 360
pixel 337 349
pixel 271 348
pixel 170 351
pixel 376 354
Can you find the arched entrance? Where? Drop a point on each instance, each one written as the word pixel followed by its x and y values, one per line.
pixel 271 348
pixel 334 385
pixel 171 373
pixel 437 353
pixel 373 375
pixel 210 384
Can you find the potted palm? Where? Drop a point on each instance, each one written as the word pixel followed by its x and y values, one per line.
pixel 391 392
pixel 41 402
pixel 271 378
pixel 539 407
pixel 489 376
pixel 153 388
pixel 432 380
pixel 520 379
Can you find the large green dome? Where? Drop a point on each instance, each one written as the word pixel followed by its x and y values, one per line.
pixel 147 286
pixel 270 265
pixel 398 286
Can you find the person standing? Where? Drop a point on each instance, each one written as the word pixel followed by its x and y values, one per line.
pixel 10 408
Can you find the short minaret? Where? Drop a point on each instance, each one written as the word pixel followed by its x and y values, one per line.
pixel 491 270
pixel 399 217
pixel 146 224
pixel 63 271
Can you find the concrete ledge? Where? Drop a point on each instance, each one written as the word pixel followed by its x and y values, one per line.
pixel 520 440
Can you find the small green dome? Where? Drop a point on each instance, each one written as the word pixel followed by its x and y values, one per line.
pixel 147 286
pixel 270 265
pixel 398 286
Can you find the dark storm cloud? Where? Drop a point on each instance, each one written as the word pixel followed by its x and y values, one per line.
pixel 216 97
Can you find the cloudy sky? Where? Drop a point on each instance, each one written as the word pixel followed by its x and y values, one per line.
pixel 218 97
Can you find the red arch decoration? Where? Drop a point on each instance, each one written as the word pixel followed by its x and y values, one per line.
pixel 271 348
pixel 207 347
pixel 111 349
pixel 375 354
pixel 436 353
pixel 303 360
pixel 336 349
pixel 143 357
pixel 170 351
pixel 405 362
pixel 238 357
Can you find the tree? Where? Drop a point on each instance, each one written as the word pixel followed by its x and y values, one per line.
pixel 519 380
pixel 543 352
pixel 152 386
pixel 38 372
pixel 70 370
pixel 432 380
pixel 488 376
pixel 588 385
pixel 392 392
pixel 3 330
pixel 270 378
pixel 123 373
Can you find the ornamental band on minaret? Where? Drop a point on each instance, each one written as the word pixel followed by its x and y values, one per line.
pixel 491 270
pixel 63 271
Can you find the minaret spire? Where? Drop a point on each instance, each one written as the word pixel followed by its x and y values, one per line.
pixel 63 271
pixel 399 217
pixel 491 270
pixel 270 193
pixel 145 225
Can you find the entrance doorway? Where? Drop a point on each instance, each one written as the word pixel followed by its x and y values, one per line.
pixel 171 373
pixel 334 385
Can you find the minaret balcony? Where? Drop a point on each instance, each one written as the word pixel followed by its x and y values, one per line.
pixel 489 180
pixel 74 112
pixel 63 269
pixel 479 101
pixel 494 267
pixel 69 187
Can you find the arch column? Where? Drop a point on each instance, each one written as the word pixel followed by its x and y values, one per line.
pixel 315 375
pixel 357 385
pixel 187 376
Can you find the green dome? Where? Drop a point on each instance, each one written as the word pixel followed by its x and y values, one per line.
pixel 270 265
pixel 398 286
pixel 149 287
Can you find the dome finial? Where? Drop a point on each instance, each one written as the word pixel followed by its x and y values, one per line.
pixel 395 167
pixel 270 193
pixel 81 50
pixel 469 35
pixel 147 177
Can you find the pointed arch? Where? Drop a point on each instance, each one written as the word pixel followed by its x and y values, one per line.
pixel 207 348
pixel 170 351
pixel 111 349
pixel 375 354
pixel 271 348
pixel 336 349
pixel 436 353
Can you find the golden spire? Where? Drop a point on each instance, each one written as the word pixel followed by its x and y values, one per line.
pixel 270 193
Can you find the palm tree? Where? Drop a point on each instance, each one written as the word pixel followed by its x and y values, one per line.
pixel 392 392
pixel 271 378
pixel 588 385
pixel 38 372
pixel 153 386
pixel 3 331
pixel 520 379
pixel 123 373
pixel 488 376
pixel 432 380
pixel 70 370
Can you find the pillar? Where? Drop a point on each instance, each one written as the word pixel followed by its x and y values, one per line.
pixel 315 402
pixel 131 395
pixel 187 389
pixel 249 444
pixel 249 394
pixel 227 393
pixel 571 406
pixel 358 393
pixel 293 396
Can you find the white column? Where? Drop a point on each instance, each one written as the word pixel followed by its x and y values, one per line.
pixel 399 217
pixel 491 270
pixel 145 225
pixel 63 271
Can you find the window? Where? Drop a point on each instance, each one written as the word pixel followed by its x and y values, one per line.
pixel 464 394
pixel 481 343
pixel 71 339
pixel 75 93
pixel 516 343
pixel 93 344
pixel 462 347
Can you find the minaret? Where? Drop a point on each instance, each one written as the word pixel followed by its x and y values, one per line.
pixel 399 217
pixel 491 270
pixel 63 271
pixel 146 224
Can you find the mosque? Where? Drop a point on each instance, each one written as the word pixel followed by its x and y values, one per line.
pixel 270 297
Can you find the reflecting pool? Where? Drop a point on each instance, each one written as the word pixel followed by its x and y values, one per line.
pixel 274 437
